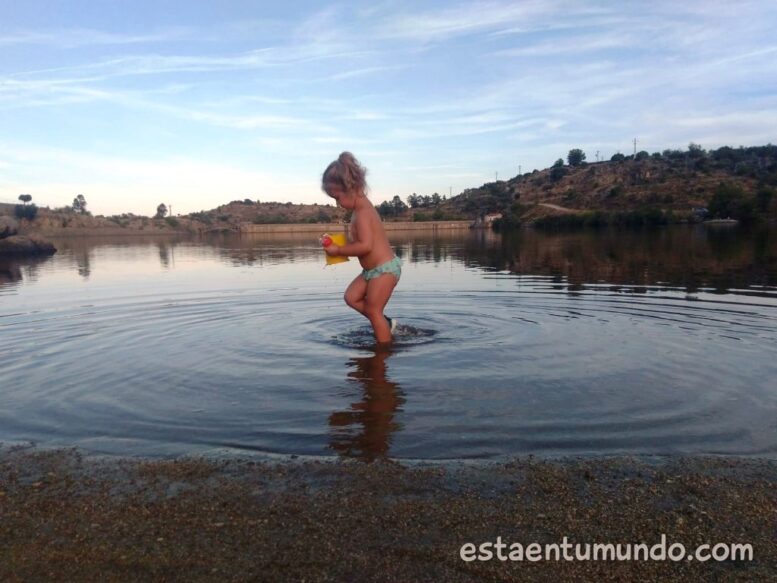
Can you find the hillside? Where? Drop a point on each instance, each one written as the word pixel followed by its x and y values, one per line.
pixel 673 183
pixel 661 187
pixel 248 211
pixel 224 218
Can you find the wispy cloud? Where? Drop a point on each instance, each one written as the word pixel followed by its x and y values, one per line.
pixel 469 18
pixel 79 37
pixel 572 46
pixel 405 85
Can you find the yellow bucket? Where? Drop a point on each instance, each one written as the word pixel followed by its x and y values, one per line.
pixel 339 240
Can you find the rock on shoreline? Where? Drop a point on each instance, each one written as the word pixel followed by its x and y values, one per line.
pixel 22 245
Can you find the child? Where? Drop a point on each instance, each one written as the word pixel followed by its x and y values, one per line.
pixel 344 181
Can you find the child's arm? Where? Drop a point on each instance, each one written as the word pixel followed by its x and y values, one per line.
pixel 358 248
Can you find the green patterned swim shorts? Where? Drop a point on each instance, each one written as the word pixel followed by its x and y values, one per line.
pixel 394 267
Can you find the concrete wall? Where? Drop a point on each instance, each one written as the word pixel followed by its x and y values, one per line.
pixel 339 227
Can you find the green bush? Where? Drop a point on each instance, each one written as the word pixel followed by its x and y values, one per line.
pixel 729 201
pixel 557 173
pixel 275 219
pixel 576 157
pixel 26 211
pixel 763 199
pixel 202 216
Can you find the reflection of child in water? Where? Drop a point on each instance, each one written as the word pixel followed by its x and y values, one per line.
pixel 364 431
pixel 368 294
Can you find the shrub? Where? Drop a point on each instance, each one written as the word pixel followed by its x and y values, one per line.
pixel 763 199
pixel 29 211
pixel 576 157
pixel 729 201
pixel 557 173
pixel 272 219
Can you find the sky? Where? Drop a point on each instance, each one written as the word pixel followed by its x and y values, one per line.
pixel 196 103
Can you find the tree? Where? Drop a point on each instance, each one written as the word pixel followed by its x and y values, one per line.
pixel 729 201
pixel 161 211
pixel 763 199
pixel 576 157
pixel 25 198
pixel 617 157
pixel 398 206
pixel 25 212
pixel 695 150
pixel 436 199
pixel 642 155
pixel 413 201
pixel 79 204
pixel 385 209
pixel 557 171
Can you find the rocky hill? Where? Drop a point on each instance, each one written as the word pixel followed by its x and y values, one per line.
pixel 248 211
pixel 669 186
pixel 727 182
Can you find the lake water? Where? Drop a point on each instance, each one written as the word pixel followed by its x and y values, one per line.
pixel 608 342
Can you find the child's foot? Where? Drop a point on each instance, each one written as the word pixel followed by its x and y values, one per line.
pixel 392 323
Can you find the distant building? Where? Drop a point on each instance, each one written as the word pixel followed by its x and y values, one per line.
pixel 488 219
pixel 484 221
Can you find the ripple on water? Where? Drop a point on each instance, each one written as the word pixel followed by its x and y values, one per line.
pixel 482 373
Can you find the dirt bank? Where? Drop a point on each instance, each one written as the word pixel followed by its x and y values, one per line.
pixel 67 517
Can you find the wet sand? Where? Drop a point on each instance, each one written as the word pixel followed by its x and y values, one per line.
pixel 68 516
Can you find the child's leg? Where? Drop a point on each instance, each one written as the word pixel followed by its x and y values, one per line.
pixel 355 294
pixel 379 291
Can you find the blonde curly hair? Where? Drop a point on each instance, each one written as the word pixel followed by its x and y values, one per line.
pixel 346 173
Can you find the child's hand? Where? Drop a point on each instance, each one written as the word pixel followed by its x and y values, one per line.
pixel 332 250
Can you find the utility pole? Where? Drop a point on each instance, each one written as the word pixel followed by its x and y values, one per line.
pixel 496 176
pixel 519 169
pixel 597 155
pixel 450 192
pixel 635 147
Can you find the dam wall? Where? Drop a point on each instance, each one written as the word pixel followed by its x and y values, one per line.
pixel 321 228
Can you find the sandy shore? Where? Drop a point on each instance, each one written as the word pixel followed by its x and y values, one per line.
pixel 66 516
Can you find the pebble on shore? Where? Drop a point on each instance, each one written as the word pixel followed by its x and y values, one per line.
pixel 72 517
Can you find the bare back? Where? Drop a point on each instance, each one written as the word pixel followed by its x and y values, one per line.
pixel 365 225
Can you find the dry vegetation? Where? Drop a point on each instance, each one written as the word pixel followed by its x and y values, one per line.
pixel 662 187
